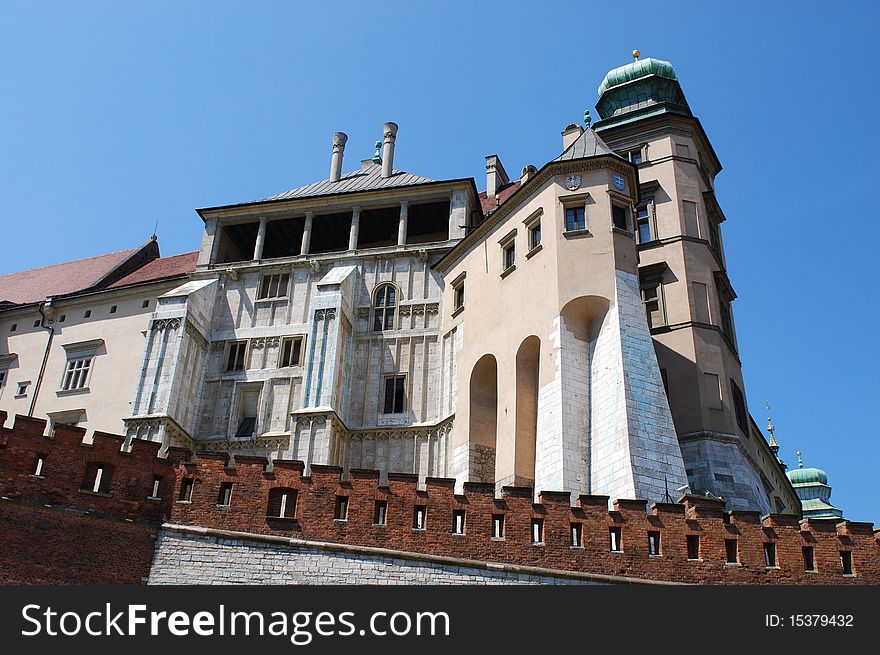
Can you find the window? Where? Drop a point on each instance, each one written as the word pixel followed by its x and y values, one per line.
pixel 691 223
pixel 535 234
pixel 62 318
pixel 664 375
pixel 809 560
pixel 739 407
pixel 186 490
pixel 22 388
pixel 644 231
pixel 577 535
pixel 508 255
pixel 395 395
pixel 575 219
pixel 458 521
pixel 113 309
pixel 38 465
pixel 2 377
pixel 614 540
pixel 419 512
pixel 652 299
pixel 693 546
pixel 726 323
pixel 88 313
pixel 537 531
pixel 225 495
pixel 235 356
pixel 618 217
pixel 380 516
pixel 458 296
pixel 37 323
pixel 712 388
pixel 97 478
pixel 653 543
pixel 498 526
pixel 145 304
pixel 76 375
pixel 682 150
pixel 246 427
pixel 291 352
pixel 770 554
pixel 157 482
pixel 384 306
pixel 282 503
pixel 846 562
pixel 13 327
pixel 635 156
pixel 273 286
pixel 341 512
pixel 732 551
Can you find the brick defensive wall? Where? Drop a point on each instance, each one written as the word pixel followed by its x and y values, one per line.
pixel 91 513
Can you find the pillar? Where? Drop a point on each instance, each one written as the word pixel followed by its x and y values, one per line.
pixel 355 226
pixel 401 226
pixel 261 239
pixel 307 233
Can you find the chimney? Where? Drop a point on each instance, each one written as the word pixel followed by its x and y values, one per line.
pixel 339 139
pixel 389 131
pixel 496 176
pixel 527 173
pixel 570 134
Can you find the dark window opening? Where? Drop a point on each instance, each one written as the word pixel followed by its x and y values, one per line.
pixel 534 235
pixel 509 256
pixel 113 309
pixel 577 535
pixel 380 516
pixel 157 483
pixel 693 546
pixel 97 478
pixel 341 513
pixel 330 233
pixel 384 307
pixel 575 219
pixel 665 377
pixel 38 465
pixel 247 427
pixel 291 352
pixel 378 227
pixel 809 560
pixel 395 395
pixel 458 521
pixel 537 531
pixel 846 561
pixel 618 217
pixel 419 513
pixel 186 489
pixel 739 407
pixel 458 293
pixel 498 526
pixel 282 503
pixel 283 238
pixel 770 554
pixel 428 222
pixel 614 540
pixel 225 496
pixel 235 243
pixel 731 550
pixel 88 313
pixel 643 223
pixel 235 358
pixel 653 543
pixel 273 285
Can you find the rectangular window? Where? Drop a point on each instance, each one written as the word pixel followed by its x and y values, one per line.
pixel 395 395
pixel 224 498
pixel 575 219
pixel 291 352
pixel 732 551
pixel 770 554
pixel 726 323
pixel 341 512
pixel 682 150
pixel 577 535
pixel 113 309
pixel 700 299
pixel 38 466
pixel 635 156
pixel 618 217
pixel 652 299
pixel 693 546
pixel 236 354
pixel 282 503
pixel 458 295
pixel 157 482
pixel 273 286
pixel 537 531
pixel 846 562
pixel 458 521
pixel 535 235
pixel 644 233
pixel 97 479
pixel 653 543
pixel 498 526
pixel 739 407
pixel 614 540
pixel 419 512
pixel 509 255
pixel 381 514
pixel 691 225
pixel 2 378
pixel 809 560
pixel 88 313
pixel 76 375
pixel 246 427
pixel 664 375
pixel 712 389
pixel 21 389
pixel 186 490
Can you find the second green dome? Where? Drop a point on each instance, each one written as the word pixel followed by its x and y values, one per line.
pixel 636 70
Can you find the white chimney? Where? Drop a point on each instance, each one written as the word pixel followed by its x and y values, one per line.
pixel 339 139
pixel 389 131
pixel 496 176
pixel 570 134
pixel 527 172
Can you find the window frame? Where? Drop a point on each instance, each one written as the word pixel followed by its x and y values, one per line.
pixel 389 378
pixel 458 294
pixel 650 219
pixel 284 362
pixel 235 344
pixel 77 378
pixel 268 280
pixel 385 310
pixel 508 252
pixel 654 282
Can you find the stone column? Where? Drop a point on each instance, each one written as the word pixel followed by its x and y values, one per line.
pixel 261 239
pixel 355 226
pixel 307 233
pixel 401 226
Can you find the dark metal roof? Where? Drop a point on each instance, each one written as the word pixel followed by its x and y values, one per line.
pixel 588 144
pixel 366 179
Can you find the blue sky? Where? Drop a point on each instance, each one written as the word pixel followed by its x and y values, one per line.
pixel 117 115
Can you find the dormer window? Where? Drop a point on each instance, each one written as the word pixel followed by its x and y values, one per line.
pixel 384 307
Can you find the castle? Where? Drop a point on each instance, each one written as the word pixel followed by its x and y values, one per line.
pixel 569 331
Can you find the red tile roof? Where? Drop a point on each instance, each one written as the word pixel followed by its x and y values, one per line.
pixel 490 204
pixel 161 269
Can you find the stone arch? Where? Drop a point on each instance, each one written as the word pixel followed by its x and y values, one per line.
pixel 527 371
pixel 483 424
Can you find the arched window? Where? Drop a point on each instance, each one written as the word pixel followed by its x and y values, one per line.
pixel 384 306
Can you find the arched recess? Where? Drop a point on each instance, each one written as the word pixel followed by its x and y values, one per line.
pixel 527 362
pixel 483 425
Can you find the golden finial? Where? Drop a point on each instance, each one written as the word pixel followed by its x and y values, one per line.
pixel 636 54
pixel 800 461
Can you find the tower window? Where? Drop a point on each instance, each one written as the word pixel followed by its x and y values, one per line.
pixel 458 521
pixel 653 543
pixel 693 546
pixel 380 516
pixel 508 252
pixel 809 559
pixel 76 375
pixel 635 156
pixel 157 482
pixel 224 498
pixel 273 286
pixel 846 561
pixel 498 526
pixel 575 219
pixel 770 554
pixel 384 307
pixel 282 503
pixel 235 356
pixel 291 352
pixel 537 531
pixel 577 535
pixel 458 302
pixel 22 388
pixel 113 309
pixel 614 540
pixel 535 234
pixel 186 490
pixel 419 512
pixel 739 407
pixel 88 313
pixel 395 395
pixel 644 230
pixel 97 478
pixel 38 466
pixel 732 551
pixel 341 513
pixel 618 217
pixel 652 299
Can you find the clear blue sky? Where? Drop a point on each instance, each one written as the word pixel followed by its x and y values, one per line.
pixel 118 114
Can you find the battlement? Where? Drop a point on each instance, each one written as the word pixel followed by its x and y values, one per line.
pixel 695 540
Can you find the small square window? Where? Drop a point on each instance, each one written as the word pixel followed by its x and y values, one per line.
pixel 809 559
pixel 770 554
pixel 635 156
pixel 37 323
pixel 419 512
pixel 614 539
pixel 13 327
pixel 537 531
pixel 186 489
pixel 458 521
pixel 235 356
pixel 97 479
pixel 577 535
pixel 575 219
pixel 846 562
pixel 145 304
pixel 113 309
pixel 618 217
pixel 341 512
pixel 22 388
pixel 88 313
pixel 62 318
pixel 380 516
pixel 653 543
pixel 273 286
pixel 693 546
pixel 291 352
pixel 282 503
pixel 731 550
pixel 224 498
pixel 498 526
pixel 395 395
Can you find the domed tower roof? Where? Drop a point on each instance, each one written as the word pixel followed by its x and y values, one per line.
pixel 811 486
pixel 638 69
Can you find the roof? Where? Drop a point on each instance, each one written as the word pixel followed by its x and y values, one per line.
pixel 636 70
pixel 588 144
pixel 366 179
pixel 490 204
pixel 162 268
pixel 37 284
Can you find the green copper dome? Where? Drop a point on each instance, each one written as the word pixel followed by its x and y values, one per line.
pixel 807 476
pixel 637 70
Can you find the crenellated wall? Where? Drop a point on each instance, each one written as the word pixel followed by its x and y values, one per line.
pixel 54 528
